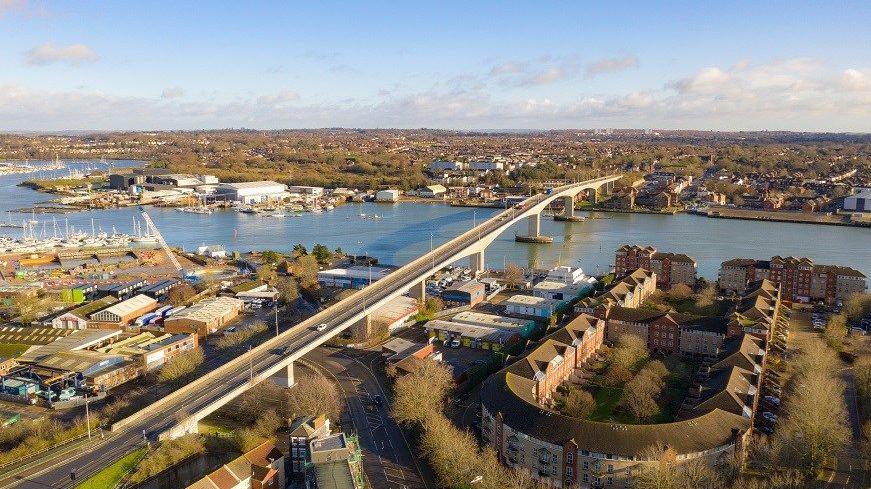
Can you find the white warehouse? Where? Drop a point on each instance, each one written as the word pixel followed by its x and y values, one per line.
pixel 252 192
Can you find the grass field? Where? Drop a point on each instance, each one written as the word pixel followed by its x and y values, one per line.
pixel 9 350
pixel 112 475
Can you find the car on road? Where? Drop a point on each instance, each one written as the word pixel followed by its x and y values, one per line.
pixel 281 351
pixel 321 327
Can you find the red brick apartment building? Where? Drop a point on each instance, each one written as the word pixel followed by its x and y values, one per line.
pixel 799 279
pixel 671 268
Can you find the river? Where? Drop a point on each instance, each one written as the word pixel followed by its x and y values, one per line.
pixel 404 231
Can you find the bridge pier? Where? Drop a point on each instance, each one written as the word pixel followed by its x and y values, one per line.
pixel 418 291
pixel 476 263
pixel 534 231
pixel 284 377
pixel 568 211
pixel 186 427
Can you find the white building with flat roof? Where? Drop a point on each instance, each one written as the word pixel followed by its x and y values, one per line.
pixel 389 195
pixel 564 284
pixel 527 305
pixel 252 192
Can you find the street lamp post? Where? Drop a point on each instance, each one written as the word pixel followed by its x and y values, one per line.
pixel 87 416
pixel 276 318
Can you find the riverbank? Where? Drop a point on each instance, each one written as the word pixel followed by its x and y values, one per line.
pixel 781 216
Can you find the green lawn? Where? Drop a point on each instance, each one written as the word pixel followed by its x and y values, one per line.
pixel 10 350
pixel 606 402
pixel 112 475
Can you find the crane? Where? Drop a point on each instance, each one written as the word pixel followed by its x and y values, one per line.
pixel 156 232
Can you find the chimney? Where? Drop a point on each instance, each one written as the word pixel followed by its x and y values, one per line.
pixel 319 421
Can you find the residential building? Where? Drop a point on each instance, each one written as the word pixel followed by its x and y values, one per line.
pixel 671 268
pixel 260 468
pixel 336 463
pixel 519 422
pixel 666 331
pixel 800 279
pixel 757 312
pixel 252 192
pixel 486 165
pixel 630 291
pixel 205 317
pixel 303 431
pixel 467 293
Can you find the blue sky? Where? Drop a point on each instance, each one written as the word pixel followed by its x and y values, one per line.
pixel 463 65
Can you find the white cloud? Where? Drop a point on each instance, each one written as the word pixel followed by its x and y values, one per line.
pixel 543 77
pixel 48 53
pixel 856 80
pixel 797 95
pixel 281 98
pixel 172 92
pixel 611 65
pixel 507 68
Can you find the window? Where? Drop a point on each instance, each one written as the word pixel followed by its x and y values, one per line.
pixel 570 458
pixel 610 469
pixel 610 480
pixel 586 465
pixel 585 477
pixel 569 471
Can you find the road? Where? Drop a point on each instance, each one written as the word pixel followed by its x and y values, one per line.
pixel 388 458
pixel 240 373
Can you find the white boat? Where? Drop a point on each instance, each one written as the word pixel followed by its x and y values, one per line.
pixel 278 214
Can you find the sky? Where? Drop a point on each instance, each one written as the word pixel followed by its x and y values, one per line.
pixel 122 65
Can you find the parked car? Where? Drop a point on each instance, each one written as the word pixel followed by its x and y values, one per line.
pixel 773 400
pixel 455 343
pixel 770 416
pixel 768 430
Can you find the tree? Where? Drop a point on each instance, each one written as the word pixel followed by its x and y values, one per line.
pixel 578 403
pixel 816 427
pixel 181 294
pixel 266 273
pixel 271 257
pixel 181 365
pixel 858 306
pixel 313 395
pixel 420 394
pixel 836 331
pixel 664 471
pixel 706 297
pixel 639 394
pixel 322 253
pixel 288 290
pixel 513 274
pixel 306 269
pixel 299 250
pixel 680 292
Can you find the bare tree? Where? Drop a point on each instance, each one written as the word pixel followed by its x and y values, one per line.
pixel 512 275
pixel 578 403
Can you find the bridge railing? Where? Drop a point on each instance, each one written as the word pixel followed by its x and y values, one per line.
pixel 241 362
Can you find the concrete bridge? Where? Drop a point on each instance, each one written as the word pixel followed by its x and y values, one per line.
pixel 179 412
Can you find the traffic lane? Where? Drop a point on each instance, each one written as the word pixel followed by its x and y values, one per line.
pixel 378 431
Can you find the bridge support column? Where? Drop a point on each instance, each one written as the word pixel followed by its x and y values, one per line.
pixel 418 291
pixel 476 263
pixel 568 211
pixel 284 377
pixel 534 222
pixel 569 206
pixel 534 236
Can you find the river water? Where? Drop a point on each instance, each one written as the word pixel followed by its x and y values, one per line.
pixel 404 232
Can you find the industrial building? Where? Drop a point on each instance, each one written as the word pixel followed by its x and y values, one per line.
pixel 252 192
pixel 121 291
pixel 527 305
pixel 306 191
pixel 395 313
pixel 159 290
pixel 124 312
pixel 464 294
pixel 152 350
pixel 354 277
pixel 471 336
pixel 78 318
pixel 205 317
pixel 389 195
pixel 523 327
